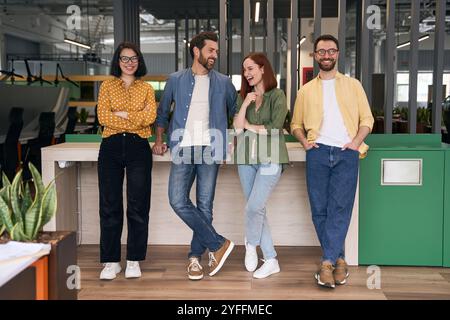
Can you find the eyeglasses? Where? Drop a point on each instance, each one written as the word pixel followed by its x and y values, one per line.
pixel 126 59
pixel 331 52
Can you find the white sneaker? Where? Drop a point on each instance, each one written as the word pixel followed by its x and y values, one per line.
pixel 251 257
pixel 110 270
pixel 133 270
pixel 269 267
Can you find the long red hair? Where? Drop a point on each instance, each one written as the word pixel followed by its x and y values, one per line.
pixel 268 77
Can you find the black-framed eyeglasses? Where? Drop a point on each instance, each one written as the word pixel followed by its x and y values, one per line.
pixel 126 59
pixel 331 52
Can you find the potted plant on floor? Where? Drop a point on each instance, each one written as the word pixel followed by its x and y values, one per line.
pixel 24 210
pixel 423 120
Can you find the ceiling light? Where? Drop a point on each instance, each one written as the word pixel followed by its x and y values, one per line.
pixel 79 44
pixel 402 45
pixel 257 5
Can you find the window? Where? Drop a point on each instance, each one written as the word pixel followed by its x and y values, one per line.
pixel 424 79
pixel 446 82
pixel 402 87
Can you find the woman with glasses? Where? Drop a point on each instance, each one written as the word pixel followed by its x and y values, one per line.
pixel 260 154
pixel 126 109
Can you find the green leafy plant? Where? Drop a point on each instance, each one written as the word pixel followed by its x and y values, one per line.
pixel 2 227
pixel 23 215
pixel 378 113
pixel 83 115
pixel 424 116
pixel 401 112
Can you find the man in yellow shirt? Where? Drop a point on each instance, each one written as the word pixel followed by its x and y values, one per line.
pixel 332 117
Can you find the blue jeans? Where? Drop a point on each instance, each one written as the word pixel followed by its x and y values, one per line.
pixel 331 178
pixel 258 181
pixel 199 218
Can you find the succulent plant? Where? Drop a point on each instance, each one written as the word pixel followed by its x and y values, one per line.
pixel 21 214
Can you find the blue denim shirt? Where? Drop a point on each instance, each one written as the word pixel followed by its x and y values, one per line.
pixel 222 105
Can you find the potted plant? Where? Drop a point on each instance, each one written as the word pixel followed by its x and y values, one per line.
pixel 3 238
pixel 24 210
pixel 423 120
pixel 446 117
pixel 400 120
pixel 83 116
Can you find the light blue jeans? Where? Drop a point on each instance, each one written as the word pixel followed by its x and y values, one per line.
pixel 258 181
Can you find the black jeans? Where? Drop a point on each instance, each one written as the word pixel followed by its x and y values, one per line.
pixel 119 153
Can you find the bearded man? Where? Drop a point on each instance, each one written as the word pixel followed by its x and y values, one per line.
pixel 332 117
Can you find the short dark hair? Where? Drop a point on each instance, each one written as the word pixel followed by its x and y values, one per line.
pixel 326 37
pixel 199 40
pixel 115 64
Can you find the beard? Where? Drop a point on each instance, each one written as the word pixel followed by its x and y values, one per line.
pixel 204 62
pixel 328 67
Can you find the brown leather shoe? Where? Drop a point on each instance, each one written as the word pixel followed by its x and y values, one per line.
pixel 324 275
pixel 217 259
pixel 340 272
pixel 194 269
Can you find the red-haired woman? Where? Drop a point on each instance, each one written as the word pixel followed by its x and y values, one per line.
pixel 260 154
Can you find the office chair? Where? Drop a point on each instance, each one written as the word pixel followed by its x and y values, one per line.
pixel 44 139
pixel 9 149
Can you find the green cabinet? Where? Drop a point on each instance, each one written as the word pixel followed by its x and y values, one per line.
pixel 401 222
pixel 446 240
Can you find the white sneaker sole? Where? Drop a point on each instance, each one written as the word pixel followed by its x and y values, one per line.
pixel 110 278
pixel 195 277
pixel 326 285
pixel 250 269
pixel 128 276
pixel 225 256
pixel 345 280
pixel 266 275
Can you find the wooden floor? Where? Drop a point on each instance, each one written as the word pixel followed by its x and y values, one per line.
pixel 164 277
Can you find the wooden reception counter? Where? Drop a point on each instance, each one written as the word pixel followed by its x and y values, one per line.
pixel 75 167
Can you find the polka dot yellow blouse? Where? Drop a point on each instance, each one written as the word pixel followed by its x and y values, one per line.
pixel 138 100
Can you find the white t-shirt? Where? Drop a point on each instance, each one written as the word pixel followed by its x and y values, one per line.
pixel 197 124
pixel 333 131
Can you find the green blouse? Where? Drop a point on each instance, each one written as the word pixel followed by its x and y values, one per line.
pixel 253 148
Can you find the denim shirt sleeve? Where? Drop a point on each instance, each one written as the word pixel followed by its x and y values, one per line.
pixel 231 99
pixel 162 119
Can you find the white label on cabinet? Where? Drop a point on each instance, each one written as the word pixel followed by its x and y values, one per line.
pixel 401 172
